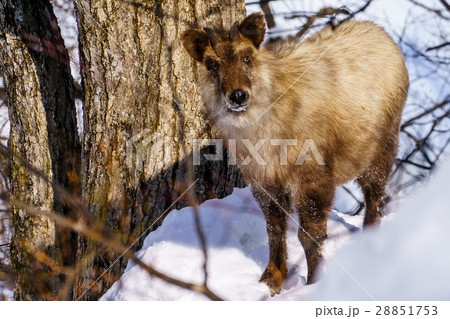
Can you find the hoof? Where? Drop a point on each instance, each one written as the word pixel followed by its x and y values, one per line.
pixel 274 277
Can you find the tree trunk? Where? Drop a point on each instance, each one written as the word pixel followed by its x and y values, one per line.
pixel 35 65
pixel 142 109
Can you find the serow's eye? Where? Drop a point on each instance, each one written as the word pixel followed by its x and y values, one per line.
pixel 211 65
pixel 246 59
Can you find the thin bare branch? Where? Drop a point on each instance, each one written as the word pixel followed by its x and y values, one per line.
pixel 423 6
pixel 445 3
pixel 437 47
pixel 426 112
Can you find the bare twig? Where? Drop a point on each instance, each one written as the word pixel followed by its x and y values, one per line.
pixel 324 12
pixel 437 47
pixel 436 11
pixel 445 3
pixel 426 112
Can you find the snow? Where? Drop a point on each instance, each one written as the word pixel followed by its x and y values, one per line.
pixel 406 258
pixel 237 253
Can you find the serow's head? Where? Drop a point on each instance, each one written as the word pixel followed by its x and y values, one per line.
pixel 230 59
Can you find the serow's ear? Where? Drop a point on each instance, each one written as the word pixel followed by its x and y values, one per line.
pixel 195 42
pixel 254 28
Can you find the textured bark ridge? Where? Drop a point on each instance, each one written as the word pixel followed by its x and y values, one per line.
pixel 35 66
pixel 142 109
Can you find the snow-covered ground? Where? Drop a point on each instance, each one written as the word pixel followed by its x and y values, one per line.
pixel 237 253
pixel 407 258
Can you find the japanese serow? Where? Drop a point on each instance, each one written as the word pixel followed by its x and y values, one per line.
pixel 342 90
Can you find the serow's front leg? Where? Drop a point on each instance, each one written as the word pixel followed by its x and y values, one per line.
pixel 276 225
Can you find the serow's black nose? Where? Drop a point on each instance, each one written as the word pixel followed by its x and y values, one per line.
pixel 238 96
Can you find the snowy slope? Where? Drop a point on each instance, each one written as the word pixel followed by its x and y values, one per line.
pixel 237 253
pixel 407 259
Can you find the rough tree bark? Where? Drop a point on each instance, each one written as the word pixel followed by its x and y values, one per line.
pixel 35 65
pixel 141 111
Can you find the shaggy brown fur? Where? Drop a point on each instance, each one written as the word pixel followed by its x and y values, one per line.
pixel 344 89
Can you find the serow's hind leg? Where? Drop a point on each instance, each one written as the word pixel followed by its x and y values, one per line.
pixel 313 210
pixel 373 183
